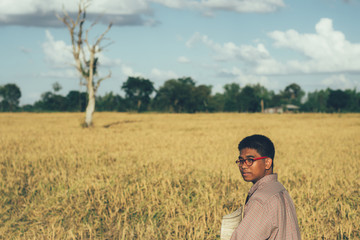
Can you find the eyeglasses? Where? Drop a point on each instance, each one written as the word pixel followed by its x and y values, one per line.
pixel 249 161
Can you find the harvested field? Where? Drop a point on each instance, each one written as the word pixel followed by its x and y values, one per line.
pixel 169 176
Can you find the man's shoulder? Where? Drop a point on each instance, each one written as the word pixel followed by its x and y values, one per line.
pixel 267 191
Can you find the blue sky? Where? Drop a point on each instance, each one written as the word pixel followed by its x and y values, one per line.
pixel 314 43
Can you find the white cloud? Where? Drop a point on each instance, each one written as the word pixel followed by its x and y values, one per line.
pixel 327 50
pixel 339 82
pixel 123 7
pixel 57 53
pixel 10 7
pixel 161 75
pixel 35 12
pixel 108 62
pixel 230 51
pixel 128 71
pixel 183 59
pixel 208 7
pixel 177 3
pixel 253 54
pixel 244 6
pixel 256 59
pixel 124 12
pixel 245 79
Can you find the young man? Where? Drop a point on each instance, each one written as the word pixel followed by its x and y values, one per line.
pixel 269 212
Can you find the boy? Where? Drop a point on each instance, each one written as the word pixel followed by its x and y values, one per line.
pixel 269 211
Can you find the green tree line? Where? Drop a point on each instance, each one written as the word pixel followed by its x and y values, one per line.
pixel 183 95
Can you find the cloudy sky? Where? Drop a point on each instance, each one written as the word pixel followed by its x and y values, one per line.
pixel 314 43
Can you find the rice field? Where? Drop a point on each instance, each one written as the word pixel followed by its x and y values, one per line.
pixel 169 176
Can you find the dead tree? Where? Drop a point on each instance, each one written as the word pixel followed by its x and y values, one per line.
pixel 85 54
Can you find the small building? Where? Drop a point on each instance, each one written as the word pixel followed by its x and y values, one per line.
pixel 291 108
pixel 287 108
pixel 274 110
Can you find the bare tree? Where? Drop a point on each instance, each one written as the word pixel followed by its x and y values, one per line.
pixel 85 54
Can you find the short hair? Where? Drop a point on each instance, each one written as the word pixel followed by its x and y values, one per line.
pixel 262 144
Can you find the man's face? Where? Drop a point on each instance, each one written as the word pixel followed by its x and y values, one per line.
pixel 257 170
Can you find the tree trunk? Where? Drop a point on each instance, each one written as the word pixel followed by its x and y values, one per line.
pixel 138 105
pixel 90 107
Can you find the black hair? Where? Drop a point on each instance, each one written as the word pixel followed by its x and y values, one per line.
pixel 262 144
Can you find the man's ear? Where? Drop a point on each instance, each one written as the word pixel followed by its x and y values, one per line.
pixel 268 163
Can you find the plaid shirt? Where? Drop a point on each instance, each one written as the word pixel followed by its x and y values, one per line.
pixel 269 213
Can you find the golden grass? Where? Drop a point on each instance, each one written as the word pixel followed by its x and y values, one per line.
pixel 169 176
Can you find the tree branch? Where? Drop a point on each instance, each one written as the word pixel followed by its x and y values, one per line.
pixel 97 43
pixel 100 80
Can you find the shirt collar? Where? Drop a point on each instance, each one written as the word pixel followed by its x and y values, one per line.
pixel 259 184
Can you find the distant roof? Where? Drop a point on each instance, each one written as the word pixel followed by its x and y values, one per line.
pixel 290 106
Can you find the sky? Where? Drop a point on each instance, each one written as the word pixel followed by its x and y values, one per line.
pixel 313 43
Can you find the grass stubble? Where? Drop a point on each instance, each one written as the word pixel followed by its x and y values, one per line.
pixel 169 176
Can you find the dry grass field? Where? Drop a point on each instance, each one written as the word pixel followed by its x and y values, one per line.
pixel 169 176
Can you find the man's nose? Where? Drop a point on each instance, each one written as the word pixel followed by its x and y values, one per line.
pixel 244 166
